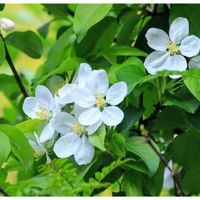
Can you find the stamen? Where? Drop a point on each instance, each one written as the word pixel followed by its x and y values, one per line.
pixel 173 48
pixel 77 128
pixel 43 113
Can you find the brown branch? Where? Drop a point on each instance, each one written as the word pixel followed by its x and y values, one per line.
pixel 3 192
pixel 12 67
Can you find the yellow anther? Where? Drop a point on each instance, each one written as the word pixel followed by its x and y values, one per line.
pixel 77 128
pixel 100 101
pixel 173 48
pixel 43 114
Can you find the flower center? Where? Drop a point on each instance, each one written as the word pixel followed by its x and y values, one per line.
pixel 173 48
pixel 43 113
pixel 77 128
pixel 100 101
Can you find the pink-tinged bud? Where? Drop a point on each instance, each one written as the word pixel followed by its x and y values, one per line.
pixel 7 24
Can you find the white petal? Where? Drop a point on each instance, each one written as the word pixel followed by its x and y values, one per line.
pixel 37 147
pixel 190 46
pixel 168 182
pixel 83 98
pixel 65 94
pixel 47 133
pixel 176 63
pixel 98 82
pixel 112 115
pixel 63 122
pixel 7 24
pixel 178 30
pixel 157 39
pixel 90 116
pixel 78 110
pixel 83 74
pixel 156 61
pixel 85 153
pixel 44 97
pixel 67 145
pixel 195 63
pixel 116 93
pixel 31 106
pixel 93 128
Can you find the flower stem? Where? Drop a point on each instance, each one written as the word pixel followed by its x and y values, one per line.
pixel 173 174
pixel 12 67
pixel 3 192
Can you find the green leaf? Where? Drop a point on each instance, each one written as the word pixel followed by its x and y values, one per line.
pixel 59 10
pixel 191 12
pixel 87 15
pixel 131 74
pixel 5 147
pixel 132 183
pixel 126 51
pixel 56 53
pixel 28 42
pixel 19 145
pixel 192 81
pixel 2 6
pixel 141 148
pixel 182 99
pixel 2 51
pixel 117 144
pixel 98 38
pixel 97 139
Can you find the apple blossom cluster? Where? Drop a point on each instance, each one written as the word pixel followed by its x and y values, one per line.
pixel 94 103
pixel 172 51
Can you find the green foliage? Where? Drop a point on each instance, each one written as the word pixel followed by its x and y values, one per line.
pixel 2 50
pixel 88 15
pixel 28 42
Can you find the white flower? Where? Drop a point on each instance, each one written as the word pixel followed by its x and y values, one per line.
pixel 195 63
pixel 170 50
pixel 79 81
pixel 74 140
pixel 44 107
pixel 7 24
pixel 96 98
pixel 39 148
pixel 168 182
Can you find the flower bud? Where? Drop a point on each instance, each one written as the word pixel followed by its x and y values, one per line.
pixel 7 24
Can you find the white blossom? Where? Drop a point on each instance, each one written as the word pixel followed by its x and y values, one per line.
pixel 7 24
pixel 43 107
pixel 170 50
pixel 195 63
pixel 73 140
pixel 100 101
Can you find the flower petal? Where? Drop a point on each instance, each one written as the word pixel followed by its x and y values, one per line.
pixel 195 63
pixel 116 93
pixel 90 116
pixel 83 74
pixel 64 94
pixel 83 98
pixel 47 133
pixel 190 46
pixel 112 115
pixel 156 61
pixel 157 39
pixel 67 145
pixel 178 30
pixel 30 107
pixel 78 110
pixel 98 82
pixel 93 128
pixel 85 153
pixel 63 122
pixel 7 24
pixel 176 63
pixel 45 97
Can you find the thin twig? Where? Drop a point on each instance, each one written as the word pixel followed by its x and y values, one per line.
pixel 3 192
pixel 12 67
pixel 174 174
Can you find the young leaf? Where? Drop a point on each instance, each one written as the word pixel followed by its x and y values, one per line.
pixel 87 15
pixel 97 139
pixel 28 42
pixel 117 143
pixel 5 147
pixel 2 51
pixel 141 148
